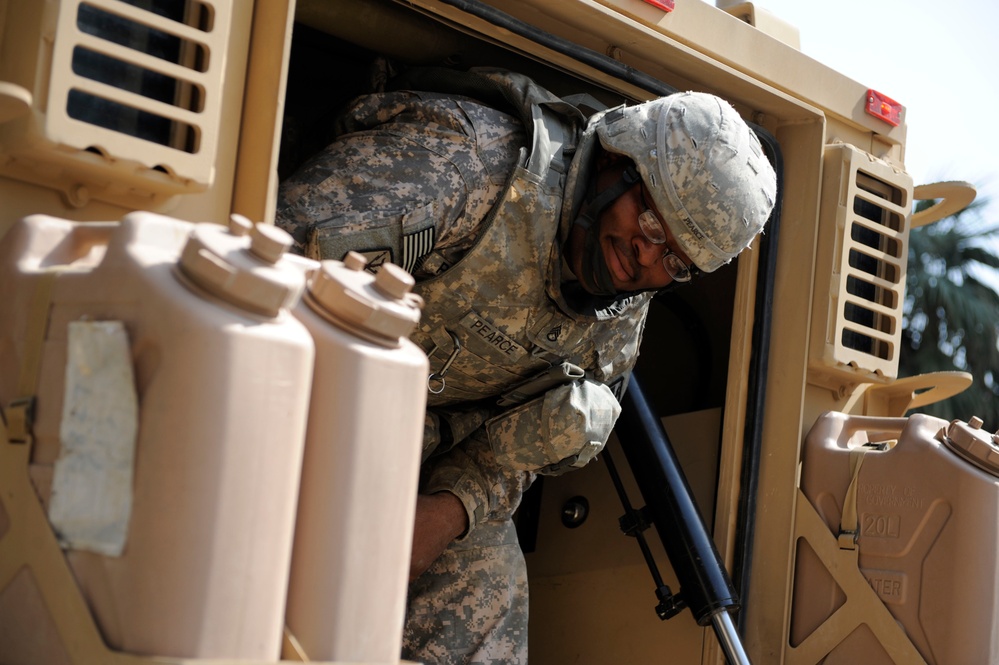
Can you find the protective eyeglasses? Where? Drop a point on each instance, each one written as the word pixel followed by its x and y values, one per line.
pixel 654 232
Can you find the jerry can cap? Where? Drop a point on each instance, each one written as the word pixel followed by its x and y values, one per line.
pixel 245 265
pixel 380 308
pixel 974 444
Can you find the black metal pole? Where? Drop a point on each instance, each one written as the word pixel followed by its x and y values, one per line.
pixel 704 583
pixel 705 586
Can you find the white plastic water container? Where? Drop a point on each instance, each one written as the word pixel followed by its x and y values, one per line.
pixel 927 518
pixel 353 538
pixel 206 408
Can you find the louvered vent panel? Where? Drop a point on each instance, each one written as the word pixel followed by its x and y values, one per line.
pixel 863 248
pixel 140 81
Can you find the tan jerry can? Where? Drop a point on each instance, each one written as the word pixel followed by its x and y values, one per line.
pixel 170 405
pixel 350 565
pixel 919 500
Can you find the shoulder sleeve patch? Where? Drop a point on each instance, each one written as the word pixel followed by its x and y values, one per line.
pixel 402 238
pixel 376 259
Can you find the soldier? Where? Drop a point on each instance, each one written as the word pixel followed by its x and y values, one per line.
pixel 537 238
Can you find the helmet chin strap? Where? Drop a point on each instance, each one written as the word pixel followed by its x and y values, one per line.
pixel 596 277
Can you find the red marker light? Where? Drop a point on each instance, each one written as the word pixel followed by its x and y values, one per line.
pixel 665 5
pixel 883 107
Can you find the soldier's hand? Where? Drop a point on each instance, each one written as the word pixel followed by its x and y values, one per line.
pixel 440 518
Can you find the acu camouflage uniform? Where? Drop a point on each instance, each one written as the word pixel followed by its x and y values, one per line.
pixel 444 187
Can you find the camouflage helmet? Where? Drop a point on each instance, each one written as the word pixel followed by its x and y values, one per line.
pixel 703 167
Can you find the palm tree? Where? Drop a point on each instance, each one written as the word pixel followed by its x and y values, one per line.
pixel 951 316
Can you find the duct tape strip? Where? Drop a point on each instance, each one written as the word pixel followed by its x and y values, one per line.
pixel 92 484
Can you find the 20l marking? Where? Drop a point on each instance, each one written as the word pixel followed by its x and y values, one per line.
pixel 881 526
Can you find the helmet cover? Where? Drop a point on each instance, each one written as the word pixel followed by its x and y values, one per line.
pixel 703 167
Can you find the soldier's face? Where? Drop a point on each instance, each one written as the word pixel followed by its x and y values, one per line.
pixel 634 262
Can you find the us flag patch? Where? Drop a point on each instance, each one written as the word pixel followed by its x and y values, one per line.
pixel 415 246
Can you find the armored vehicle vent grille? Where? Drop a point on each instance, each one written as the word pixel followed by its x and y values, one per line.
pixel 145 75
pixel 120 100
pixel 875 265
pixel 864 244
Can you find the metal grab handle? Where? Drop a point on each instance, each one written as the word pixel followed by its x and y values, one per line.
pixel 954 197
pixel 913 392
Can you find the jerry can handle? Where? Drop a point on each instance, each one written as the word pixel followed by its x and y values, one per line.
pixel 873 424
pixel 85 237
pixel 61 242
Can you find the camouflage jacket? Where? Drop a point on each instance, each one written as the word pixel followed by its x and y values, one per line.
pixel 496 315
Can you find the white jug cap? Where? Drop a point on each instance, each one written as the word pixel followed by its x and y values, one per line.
pixel 380 307
pixel 243 265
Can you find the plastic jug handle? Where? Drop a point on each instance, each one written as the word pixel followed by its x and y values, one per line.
pixel 75 242
pixel 872 424
pixel 84 238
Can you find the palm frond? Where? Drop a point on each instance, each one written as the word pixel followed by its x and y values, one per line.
pixel 952 312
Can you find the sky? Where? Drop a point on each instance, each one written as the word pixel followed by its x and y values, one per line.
pixel 937 58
